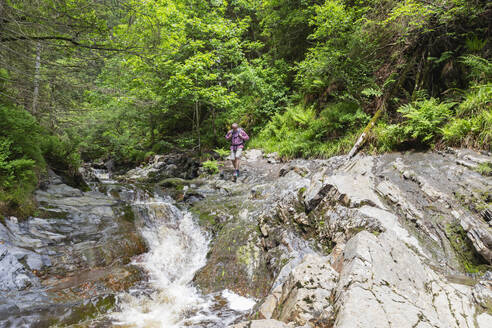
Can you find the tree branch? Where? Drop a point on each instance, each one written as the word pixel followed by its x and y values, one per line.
pixel 62 38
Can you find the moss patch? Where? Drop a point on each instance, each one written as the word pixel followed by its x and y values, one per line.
pixel 471 261
pixel 48 214
pixel 484 169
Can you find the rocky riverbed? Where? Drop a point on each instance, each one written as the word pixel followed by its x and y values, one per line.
pixel 396 240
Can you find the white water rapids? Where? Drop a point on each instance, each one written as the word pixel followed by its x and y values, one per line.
pixel 177 249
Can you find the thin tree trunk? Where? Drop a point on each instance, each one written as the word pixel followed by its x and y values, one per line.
pixel 363 137
pixel 214 128
pixel 197 126
pixel 36 79
pixel 152 133
pixel 52 106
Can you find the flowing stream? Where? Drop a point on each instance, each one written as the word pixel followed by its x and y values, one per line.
pixel 177 249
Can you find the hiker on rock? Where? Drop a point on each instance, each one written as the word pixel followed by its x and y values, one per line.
pixel 237 137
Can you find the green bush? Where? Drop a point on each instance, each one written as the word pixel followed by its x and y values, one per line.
pixel 211 167
pixel 480 69
pixel 485 169
pixel 20 160
pixel 300 132
pixel 456 132
pixel 25 148
pixel 388 136
pixel 14 171
pixel 222 152
pixel 424 119
pixel 474 131
pixel 477 99
pixel 61 153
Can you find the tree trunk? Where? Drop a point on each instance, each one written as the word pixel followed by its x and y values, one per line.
pixel 152 128
pixel 37 66
pixel 197 126
pixel 214 128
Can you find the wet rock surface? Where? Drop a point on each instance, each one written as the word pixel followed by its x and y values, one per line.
pixel 395 240
pixel 175 165
pixel 67 262
pixel 403 234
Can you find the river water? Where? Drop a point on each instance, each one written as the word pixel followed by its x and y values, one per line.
pixel 177 250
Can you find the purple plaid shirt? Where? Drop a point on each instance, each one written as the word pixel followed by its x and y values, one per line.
pixel 237 137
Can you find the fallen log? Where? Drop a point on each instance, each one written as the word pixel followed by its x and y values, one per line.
pixel 363 137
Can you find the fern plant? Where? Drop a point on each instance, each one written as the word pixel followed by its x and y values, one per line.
pixel 222 152
pixel 211 167
pixel 477 98
pixel 480 68
pixel 424 118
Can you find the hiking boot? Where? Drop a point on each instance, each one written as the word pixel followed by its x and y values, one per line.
pixel 237 173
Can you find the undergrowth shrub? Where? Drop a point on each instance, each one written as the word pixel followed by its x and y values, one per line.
pixel 475 131
pixel 477 99
pixel 424 119
pixel 421 126
pixel 61 153
pixel 25 150
pixel 21 160
pixel 212 167
pixel 301 132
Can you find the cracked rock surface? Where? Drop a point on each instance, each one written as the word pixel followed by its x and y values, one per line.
pixel 402 239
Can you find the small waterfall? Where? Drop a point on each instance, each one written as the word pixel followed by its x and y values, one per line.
pixel 178 248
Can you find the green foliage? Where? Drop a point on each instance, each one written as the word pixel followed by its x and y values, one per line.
pixel 475 131
pixel 25 148
pixel 387 137
pixel 285 26
pixel 457 130
pixel 480 68
pixel 20 158
pixel 340 63
pixel 422 125
pixel 475 44
pixel 61 153
pixel 473 125
pixel 424 119
pixel 370 92
pixel 485 169
pixel 222 152
pixel 300 132
pixel 13 171
pixel 410 15
pixel 261 90
pixel 477 99
pixel 299 76
pixel 211 167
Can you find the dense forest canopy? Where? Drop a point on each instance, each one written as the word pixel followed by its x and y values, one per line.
pixel 89 80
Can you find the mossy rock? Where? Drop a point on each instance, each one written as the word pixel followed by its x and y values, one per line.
pixel 125 213
pixel 177 183
pixel 236 263
pixel 45 213
pixel 471 261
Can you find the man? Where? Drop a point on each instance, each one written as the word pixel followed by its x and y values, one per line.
pixel 237 137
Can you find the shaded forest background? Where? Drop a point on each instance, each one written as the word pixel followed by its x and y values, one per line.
pixel 92 80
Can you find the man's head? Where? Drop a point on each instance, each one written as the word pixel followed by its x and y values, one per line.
pixel 234 126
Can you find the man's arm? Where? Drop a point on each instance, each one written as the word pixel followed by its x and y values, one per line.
pixel 228 135
pixel 243 135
